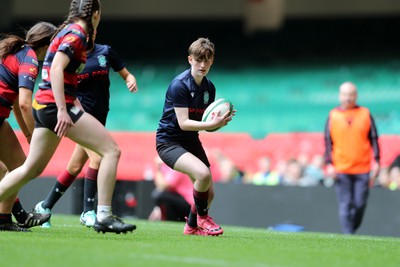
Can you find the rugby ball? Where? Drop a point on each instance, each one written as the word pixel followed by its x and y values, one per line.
pixel 217 108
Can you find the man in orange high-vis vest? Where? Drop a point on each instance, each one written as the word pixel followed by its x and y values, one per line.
pixel 350 138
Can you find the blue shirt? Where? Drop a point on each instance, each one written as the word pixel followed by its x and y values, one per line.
pixel 94 80
pixel 183 92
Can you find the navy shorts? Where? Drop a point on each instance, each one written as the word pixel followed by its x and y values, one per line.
pixel 171 152
pixel 46 117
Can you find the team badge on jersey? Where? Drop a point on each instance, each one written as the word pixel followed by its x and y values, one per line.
pixel 33 71
pixel 80 68
pixel 102 61
pixel 206 97
pixel 70 39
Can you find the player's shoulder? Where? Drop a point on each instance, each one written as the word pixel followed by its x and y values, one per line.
pixel 101 49
pixel 181 78
pixel 27 54
pixel 209 82
pixel 102 46
pixel 72 32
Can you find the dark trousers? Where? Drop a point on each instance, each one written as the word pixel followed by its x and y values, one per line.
pixel 352 192
pixel 173 206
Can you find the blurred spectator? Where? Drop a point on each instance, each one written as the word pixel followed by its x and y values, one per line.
pixel 394 176
pixel 390 177
pixel 173 194
pixel 395 163
pixel 303 159
pixel 264 175
pixel 314 173
pixel 227 170
pixel 383 179
pixel 293 173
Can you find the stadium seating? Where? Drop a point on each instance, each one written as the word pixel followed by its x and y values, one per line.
pixel 138 150
pixel 268 99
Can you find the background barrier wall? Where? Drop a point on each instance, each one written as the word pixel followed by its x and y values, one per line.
pixel 314 208
pixel 138 151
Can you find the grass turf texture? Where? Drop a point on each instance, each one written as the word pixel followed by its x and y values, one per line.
pixel 163 244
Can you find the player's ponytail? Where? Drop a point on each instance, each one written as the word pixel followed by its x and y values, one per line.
pixel 82 9
pixel 40 34
pixel 87 8
pixel 37 36
pixel 10 45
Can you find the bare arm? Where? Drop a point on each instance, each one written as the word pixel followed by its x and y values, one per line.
pixel 23 112
pixel 187 124
pixel 64 122
pixel 129 79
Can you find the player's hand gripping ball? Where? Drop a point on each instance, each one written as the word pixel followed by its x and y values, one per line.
pixel 217 108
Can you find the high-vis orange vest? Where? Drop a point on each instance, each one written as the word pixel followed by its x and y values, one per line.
pixel 352 135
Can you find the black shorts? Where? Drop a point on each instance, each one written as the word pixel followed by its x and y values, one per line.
pixel 46 117
pixel 171 152
pixel 1 121
pixel 102 118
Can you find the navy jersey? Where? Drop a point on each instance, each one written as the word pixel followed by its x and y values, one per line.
pixel 71 41
pixel 183 92
pixel 17 70
pixel 94 81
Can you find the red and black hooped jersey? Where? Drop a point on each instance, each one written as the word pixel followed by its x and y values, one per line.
pixel 71 41
pixel 16 71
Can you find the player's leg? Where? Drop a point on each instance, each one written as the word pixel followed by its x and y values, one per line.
pixel 201 175
pixel 63 182
pixel 344 193
pixel 91 134
pixel 361 193
pixel 11 156
pixel 88 216
pixel 42 147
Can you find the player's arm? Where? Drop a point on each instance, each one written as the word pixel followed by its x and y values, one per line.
pixel 330 169
pixel 22 110
pixel 373 137
pixel 64 122
pixel 130 80
pixel 186 124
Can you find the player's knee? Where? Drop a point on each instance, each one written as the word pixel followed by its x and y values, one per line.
pixel 75 169
pixel 203 175
pixel 114 151
pixel 34 171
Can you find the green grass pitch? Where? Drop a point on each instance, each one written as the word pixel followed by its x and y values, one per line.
pixel 163 244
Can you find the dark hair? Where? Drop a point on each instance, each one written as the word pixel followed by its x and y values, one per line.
pixel 202 49
pixel 82 9
pixel 38 36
